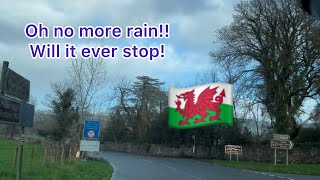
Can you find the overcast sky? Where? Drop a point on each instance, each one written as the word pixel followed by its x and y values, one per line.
pixel 193 24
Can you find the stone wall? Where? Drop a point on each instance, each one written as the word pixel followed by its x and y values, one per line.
pixel 250 153
pixel 297 155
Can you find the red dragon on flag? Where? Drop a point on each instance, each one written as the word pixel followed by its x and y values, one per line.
pixel 204 103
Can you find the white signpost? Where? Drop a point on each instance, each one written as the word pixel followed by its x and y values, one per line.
pixel 89 146
pixel 281 137
pixel 281 141
pixel 91 132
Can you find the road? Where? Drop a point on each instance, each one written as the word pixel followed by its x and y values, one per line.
pixel 137 167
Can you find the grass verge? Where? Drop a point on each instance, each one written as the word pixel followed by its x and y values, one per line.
pixel 36 169
pixel 305 169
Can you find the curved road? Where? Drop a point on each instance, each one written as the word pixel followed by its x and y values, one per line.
pixel 137 167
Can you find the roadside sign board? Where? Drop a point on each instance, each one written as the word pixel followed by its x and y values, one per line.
pixel 281 144
pixel 91 129
pixel 281 136
pixel 9 111
pixel 91 146
pixel 26 115
pixel 15 85
pixel 15 112
pixel 233 149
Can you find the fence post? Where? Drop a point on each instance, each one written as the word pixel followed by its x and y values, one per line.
pixel 62 153
pixel 31 158
pixel 15 158
pixel 70 151
pixel 44 156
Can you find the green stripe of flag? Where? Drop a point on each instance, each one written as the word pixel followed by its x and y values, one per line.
pixel 226 116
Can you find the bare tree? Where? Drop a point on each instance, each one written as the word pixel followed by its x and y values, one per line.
pixel 124 107
pixel 315 116
pixel 88 78
pixel 206 76
pixel 279 48
pixel 147 94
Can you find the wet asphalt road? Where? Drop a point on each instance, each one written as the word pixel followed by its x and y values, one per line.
pixel 137 167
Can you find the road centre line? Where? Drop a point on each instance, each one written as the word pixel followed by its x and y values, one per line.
pixel 146 160
pixel 168 167
pixel 174 169
pixel 192 175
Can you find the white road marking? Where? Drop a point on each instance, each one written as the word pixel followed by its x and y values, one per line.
pixel 146 160
pixel 168 167
pixel 266 174
pixel 192 175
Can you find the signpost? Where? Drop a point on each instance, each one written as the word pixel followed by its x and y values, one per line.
pixel 15 92
pixel 281 144
pixel 91 146
pixel 281 141
pixel 281 136
pixel 13 84
pixel 9 111
pixel 15 112
pixel 233 149
pixel 91 130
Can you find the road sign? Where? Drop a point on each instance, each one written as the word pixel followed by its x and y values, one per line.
pixel 9 111
pixel 281 136
pixel 233 149
pixel 26 115
pixel 13 84
pixel 281 144
pixel 87 145
pixel 91 129
pixel 15 112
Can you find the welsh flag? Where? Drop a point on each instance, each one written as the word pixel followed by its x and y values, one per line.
pixel 199 106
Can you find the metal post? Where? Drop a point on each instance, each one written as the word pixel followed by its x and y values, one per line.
pixel 20 155
pixel 237 158
pixel 275 156
pixel 230 157
pixel 194 145
pixel 287 157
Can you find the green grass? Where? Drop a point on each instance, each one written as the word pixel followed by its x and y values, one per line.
pixel 39 170
pixel 306 169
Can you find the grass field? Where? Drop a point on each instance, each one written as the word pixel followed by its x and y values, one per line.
pixel 37 169
pixel 306 169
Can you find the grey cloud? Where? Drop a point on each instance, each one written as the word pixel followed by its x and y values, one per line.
pixel 176 7
pixel 111 12
pixel 10 34
pixel 193 22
